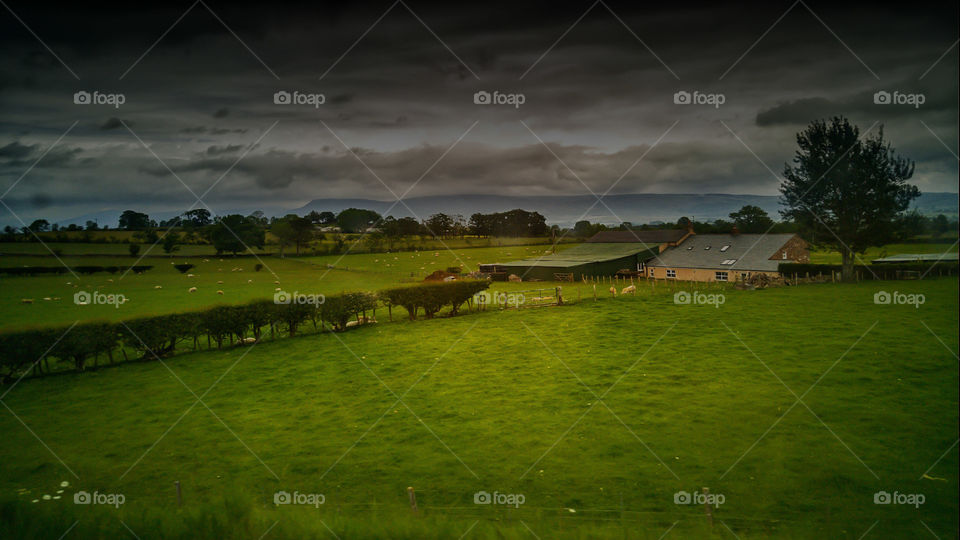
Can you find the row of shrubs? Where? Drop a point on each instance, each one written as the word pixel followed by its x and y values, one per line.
pixel 58 270
pixel 868 271
pixel 160 336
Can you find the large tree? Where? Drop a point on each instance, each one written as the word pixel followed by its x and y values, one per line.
pixel 846 192
pixel 292 230
pixel 752 219
pixel 354 220
pixel 235 233
pixel 132 220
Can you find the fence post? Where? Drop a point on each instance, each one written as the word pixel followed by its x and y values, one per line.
pixel 413 499
pixel 179 495
pixel 594 292
pixel 706 505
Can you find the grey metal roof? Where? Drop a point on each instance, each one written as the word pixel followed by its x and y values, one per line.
pixel 750 252
pixel 917 257
pixel 654 236
pixel 587 253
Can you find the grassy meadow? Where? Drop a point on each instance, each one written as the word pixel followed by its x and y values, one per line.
pixel 598 413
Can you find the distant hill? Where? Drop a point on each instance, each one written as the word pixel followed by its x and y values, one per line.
pixel 565 210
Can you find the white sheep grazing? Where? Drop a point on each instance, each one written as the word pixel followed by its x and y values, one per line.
pixel 26 301
pixel 220 282
pixel 249 281
pixel 220 292
pixel 613 291
pixel 192 289
pixel 629 289
pixel 249 340
pixel 278 289
pixel 189 275
pixel 157 287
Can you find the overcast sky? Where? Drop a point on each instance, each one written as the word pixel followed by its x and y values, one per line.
pixel 598 83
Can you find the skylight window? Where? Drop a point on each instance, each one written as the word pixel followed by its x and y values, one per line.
pixel 706 248
pixel 689 248
pixel 729 261
pixel 724 248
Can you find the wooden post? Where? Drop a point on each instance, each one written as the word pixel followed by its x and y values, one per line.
pixel 413 499
pixel 706 505
pixel 179 495
pixel 594 292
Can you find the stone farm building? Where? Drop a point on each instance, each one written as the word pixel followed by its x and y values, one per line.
pixel 728 257
pixel 662 254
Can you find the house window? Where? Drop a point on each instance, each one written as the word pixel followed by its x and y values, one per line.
pixel 652 272
pixel 721 276
pixel 784 254
pixel 671 273
pixel 744 276
pixel 724 248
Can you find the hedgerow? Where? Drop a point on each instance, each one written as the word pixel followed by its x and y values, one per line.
pixel 157 337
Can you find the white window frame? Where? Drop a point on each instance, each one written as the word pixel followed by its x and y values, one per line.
pixel 671 273
pixel 720 276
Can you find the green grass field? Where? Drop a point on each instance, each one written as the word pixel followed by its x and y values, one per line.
pixel 833 257
pixel 598 413
pixel 304 274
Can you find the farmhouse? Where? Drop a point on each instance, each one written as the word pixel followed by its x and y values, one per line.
pixel 727 257
pixel 605 254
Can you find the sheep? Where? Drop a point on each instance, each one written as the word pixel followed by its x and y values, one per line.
pixel 630 289
pixel 220 292
pixel 192 289
pixel 249 281
pixel 278 289
pixel 189 275
pixel 249 341
pixel 157 287
pixel 613 291
pixel 220 282
pixel 26 300
pixel 47 298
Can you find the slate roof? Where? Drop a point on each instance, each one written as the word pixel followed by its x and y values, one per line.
pixel 750 252
pixel 658 236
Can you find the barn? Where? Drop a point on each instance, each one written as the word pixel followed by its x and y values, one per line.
pixel 605 254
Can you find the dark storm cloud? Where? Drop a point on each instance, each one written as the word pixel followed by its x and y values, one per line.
pixel 599 98
pixel 114 123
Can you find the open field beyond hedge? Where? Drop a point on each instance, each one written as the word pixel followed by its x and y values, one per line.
pixel 598 413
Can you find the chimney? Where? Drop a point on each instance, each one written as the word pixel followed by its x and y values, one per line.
pixel 734 231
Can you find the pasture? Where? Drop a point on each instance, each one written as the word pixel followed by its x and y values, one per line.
pixel 797 405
